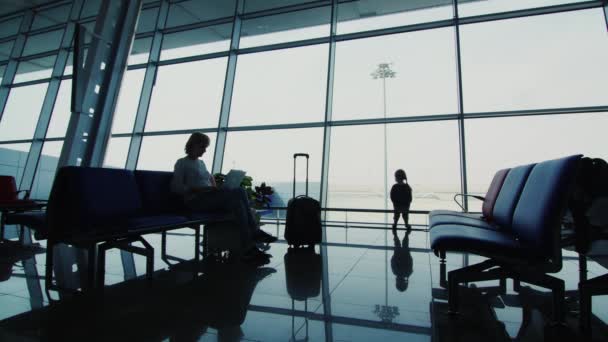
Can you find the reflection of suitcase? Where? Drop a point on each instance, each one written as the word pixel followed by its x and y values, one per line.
pixel 302 273
pixel 303 225
pixel 303 269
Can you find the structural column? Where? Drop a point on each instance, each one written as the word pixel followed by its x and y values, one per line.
pixel 44 119
pixel 222 129
pixel 147 87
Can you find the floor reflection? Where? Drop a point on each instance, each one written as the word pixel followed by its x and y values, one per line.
pixel 335 292
pixel 402 263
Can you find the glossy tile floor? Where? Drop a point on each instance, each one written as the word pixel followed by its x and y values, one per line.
pixel 363 285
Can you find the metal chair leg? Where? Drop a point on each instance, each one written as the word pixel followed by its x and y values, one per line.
pixel 442 270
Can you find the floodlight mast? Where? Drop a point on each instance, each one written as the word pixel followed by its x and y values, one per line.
pixel 385 312
pixel 383 72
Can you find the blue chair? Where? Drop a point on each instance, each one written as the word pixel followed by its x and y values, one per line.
pixel 525 246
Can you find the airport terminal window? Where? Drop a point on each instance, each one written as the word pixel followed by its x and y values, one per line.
pixel 10 27
pixel 21 112
pixel 260 5
pixel 90 8
pixel 12 160
pixel 196 11
pixel 490 143
pixel 140 51
pixel 5 50
pixel 468 8
pixel 548 61
pixel 47 166
pixel 187 95
pixel 267 156
pixel 365 15
pixel 147 20
pixel 43 42
pixel 116 152
pixel 68 70
pixel 61 111
pixel 282 86
pixel 128 101
pixel 51 16
pixel 356 168
pixel 427 151
pixel 161 152
pixel 35 69
pixel 287 27
pixel 425 80
pixel 196 42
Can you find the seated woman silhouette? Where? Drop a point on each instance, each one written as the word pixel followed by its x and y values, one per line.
pixel 193 182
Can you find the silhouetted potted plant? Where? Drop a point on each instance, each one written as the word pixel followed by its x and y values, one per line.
pixel 260 197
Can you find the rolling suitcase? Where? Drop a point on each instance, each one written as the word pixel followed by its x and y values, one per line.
pixel 303 225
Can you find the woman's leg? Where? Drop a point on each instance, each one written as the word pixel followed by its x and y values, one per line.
pixel 227 201
pixel 241 195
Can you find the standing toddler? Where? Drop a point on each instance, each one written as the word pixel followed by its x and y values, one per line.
pixel 401 196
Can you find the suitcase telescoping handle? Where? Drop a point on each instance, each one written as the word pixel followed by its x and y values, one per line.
pixel 295 156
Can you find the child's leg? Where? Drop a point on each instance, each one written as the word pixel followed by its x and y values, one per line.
pixel 406 217
pixel 395 218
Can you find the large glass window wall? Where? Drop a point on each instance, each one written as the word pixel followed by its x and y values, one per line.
pixel 161 152
pixel 549 61
pixel 278 87
pixel 21 112
pixel 423 82
pixel 497 143
pixel 267 156
pixel 529 69
pixel 187 96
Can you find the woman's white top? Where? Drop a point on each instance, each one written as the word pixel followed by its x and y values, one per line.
pixel 189 173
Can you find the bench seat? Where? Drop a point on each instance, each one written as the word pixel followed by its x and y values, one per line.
pixel 483 242
pixel 99 208
pixel 468 219
pixel 35 220
pixel 524 243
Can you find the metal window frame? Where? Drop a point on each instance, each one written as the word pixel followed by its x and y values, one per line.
pixel 11 66
pixel 34 155
pixel 147 88
pixel 220 140
pixel 153 63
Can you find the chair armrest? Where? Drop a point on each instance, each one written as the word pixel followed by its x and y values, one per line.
pixel 481 198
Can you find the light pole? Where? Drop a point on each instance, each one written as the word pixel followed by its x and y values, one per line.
pixel 385 312
pixel 383 72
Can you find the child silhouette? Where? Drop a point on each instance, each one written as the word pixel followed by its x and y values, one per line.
pixel 401 196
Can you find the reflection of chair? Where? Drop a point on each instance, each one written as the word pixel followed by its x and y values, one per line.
pixel 11 204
